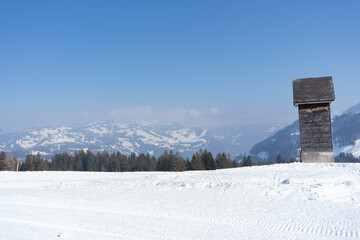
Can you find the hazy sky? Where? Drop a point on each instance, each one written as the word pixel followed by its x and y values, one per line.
pixel 197 62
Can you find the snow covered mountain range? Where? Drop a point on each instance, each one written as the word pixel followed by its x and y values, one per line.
pixel 346 138
pixel 138 137
pixel 128 137
pixel 110 136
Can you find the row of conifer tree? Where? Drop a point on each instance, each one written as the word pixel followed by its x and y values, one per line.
pixel 118 162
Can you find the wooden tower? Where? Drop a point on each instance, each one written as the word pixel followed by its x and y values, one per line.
pixel 313 97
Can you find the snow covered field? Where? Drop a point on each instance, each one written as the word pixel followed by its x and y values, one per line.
pixel 290 201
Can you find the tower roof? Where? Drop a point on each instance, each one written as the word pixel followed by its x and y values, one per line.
pixel 313 90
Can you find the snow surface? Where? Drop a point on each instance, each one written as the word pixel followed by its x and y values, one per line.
pixel 285 201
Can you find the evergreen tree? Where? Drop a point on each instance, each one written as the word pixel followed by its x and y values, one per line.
pixel 221 161
pixel 170 162
pixel 208 160
pixel 98 161
pixel 188 163
pixel 54 162
pixel 178 163
pixel 246 161
pixel 234 164
pixel 164 163
pixel 68 162
pixel 77 162
pixel 114 165
pixel 132 161
pixel 152 163
pixel 39 163
pixel 196 162
pixel 103 162
pixel 89 163
pixel 2 161
pixel 141 162
pixel 124 162
pixel 81 155
pixel 279 159
pixel 28 165
pixel 10 162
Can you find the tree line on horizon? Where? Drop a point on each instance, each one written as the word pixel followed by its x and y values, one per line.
pixel 119 162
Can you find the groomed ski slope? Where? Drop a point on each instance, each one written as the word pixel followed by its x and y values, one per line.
pixel 286 201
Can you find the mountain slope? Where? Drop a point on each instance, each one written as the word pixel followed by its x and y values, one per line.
pixel 354 109
pixel 285 142
pixel 346 134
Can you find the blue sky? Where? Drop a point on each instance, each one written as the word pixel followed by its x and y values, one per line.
pixel 198 62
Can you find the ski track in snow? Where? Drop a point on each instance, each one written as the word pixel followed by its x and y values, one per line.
pixel 286 201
